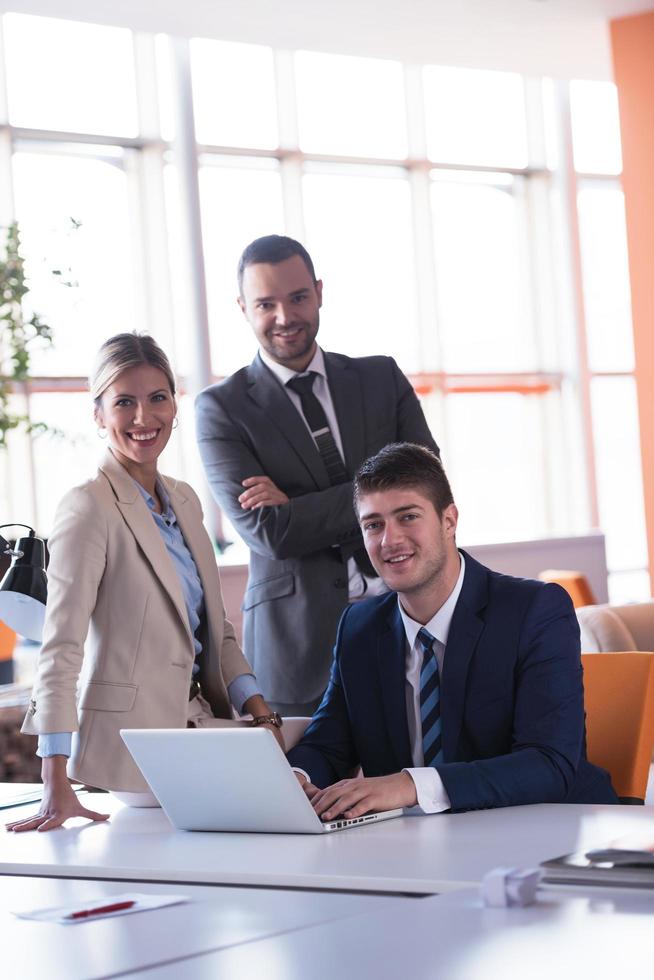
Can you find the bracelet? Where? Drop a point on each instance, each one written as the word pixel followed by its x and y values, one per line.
pixel 274 719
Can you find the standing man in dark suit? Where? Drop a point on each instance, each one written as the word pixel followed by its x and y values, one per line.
pixel 280 441
pixel 459 689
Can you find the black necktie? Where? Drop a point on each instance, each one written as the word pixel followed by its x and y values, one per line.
pixel 323 437
pixel 314 413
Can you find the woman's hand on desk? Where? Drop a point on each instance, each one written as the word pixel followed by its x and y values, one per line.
pixel 59 800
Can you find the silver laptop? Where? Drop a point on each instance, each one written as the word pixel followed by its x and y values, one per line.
pixel 228 779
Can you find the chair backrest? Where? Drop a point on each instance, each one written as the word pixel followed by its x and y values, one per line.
pixel 574 583
pixel 293 730
pixel 619 700
pixel 605 627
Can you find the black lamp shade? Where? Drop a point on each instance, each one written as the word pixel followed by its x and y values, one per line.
pixel 24 590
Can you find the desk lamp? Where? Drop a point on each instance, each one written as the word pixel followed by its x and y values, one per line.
pixel 24 589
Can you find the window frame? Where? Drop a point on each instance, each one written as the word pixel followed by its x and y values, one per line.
pixel 146 157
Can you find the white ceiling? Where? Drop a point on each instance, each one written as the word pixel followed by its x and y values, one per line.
pixel 566 38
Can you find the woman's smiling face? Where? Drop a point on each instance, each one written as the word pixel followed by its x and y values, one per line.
pixel 138 411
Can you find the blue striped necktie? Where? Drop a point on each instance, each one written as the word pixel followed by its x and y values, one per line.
pixel 430 702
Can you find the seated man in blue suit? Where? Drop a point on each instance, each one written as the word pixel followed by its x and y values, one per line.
pixel 458 690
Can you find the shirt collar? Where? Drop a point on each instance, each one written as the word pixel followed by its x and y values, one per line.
pixel 166 510
pixel 439 624
pixel 284 374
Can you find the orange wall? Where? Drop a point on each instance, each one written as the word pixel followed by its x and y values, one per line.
pixel 632 41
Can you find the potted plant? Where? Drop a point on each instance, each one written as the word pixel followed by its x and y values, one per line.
pixel 20 333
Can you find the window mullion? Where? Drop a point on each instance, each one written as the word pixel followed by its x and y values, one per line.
pixel 146 168
pixel 429 351
pixel 186 163
pixel 290 166
pixel 572 314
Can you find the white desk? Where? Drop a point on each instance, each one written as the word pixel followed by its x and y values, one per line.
pixel 453 937
pixel 214 918
pixel 419 855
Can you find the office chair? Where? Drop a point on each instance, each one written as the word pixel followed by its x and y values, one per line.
pixel 605 627
pixel 574 583
pixel 293 730
pixel 619 701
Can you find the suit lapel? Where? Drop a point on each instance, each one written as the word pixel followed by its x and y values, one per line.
pixel 347 396
pixel 138 518
pixel 267 392
pixel 392 675
pixel 465 629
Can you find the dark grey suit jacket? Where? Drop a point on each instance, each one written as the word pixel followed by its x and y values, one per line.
pixel 298 583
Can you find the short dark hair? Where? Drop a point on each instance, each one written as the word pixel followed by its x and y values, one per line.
pixel 404 465
pixel 272 249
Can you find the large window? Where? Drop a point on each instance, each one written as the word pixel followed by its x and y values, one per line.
pixel 430 199
pixel 608 333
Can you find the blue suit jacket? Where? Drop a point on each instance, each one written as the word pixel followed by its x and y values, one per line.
pixel 512 702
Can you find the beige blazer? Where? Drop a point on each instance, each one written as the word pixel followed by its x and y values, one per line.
pixel 116 622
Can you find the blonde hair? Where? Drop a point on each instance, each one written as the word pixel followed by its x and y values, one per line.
pixel 126 350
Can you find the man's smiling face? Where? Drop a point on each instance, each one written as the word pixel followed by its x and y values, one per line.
pixel 408 543
pixel 282 303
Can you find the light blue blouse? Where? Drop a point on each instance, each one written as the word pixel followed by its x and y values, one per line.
pixel 241 688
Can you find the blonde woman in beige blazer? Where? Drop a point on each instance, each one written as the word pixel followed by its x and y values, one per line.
pixel 119 650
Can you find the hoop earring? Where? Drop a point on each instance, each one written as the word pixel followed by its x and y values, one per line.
pixel 102 429
pixel 175 422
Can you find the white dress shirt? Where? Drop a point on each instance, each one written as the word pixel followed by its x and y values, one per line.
pixel 430 791
pixel 358 584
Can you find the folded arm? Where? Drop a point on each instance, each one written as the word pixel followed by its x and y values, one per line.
pixel 300 526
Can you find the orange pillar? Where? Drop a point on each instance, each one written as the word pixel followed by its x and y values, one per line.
pixel 632 40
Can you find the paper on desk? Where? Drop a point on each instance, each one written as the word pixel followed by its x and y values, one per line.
pixel 17 794
pixel 142 903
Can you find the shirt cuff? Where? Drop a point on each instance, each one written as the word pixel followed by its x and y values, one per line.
pixel 54 743
pixel 241 689
pixel 302 772
pixel 430 791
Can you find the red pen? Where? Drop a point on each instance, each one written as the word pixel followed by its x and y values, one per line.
pixel 101 910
